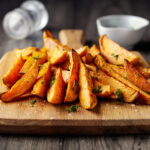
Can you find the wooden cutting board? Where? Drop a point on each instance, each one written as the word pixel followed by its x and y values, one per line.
pixel 44 118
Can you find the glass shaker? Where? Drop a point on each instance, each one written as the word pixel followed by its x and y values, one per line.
pixel 21 22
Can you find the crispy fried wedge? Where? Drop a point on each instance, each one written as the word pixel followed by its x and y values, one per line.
pixel 57 56
pixel 55 94
pixel 87 98
pixel 91 67
pixel 40 87
pixel 41 58
pixel 94 51
pixel 101 90
pixel 65 65
pixel 65 74
pixel 87 58
pixel 73 86
pixel 114 53
pixel 129 94
pixel 13 74
pixel 145 71
pixel 23 85
pixel 82 51
pixel 50 43
pixel 27 52
pixel 26 65
pixel 136 77
pixel 103 65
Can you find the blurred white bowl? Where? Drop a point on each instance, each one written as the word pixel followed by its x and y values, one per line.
pixel 126 30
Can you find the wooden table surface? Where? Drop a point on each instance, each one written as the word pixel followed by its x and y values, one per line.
pixel 77 14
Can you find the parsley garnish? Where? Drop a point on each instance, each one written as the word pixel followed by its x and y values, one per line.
pixel 42 82
pixel 97 90
pixel 126 77
pixel 72 108
pixel 74 84
pixel 115 55
pixel 52 80
pixel 33 102
pixel 40 66
pixel 138 74
pixel 36 57
pixel 63 49
pixel 119 95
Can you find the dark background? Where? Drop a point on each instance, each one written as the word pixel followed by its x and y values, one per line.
pixel 76 14
pixel 83 13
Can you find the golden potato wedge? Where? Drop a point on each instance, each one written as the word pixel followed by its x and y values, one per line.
pixel 47 34
pixel 27 52
pixel 13 73
pixel 87 58
pixel 91 67
pixel 23 85
pixel 142 62
pixel 55 94
pixel 57 56
pixel 41 57
pixel 103 65
pixel 65 74
pixel 136 77
pixel 87 98
pixel 129 94
pixel 65 65
pixel 44 69
pixel 145 71
pixel 43 49
pixel 101 90
pixel 26 65
pixel 114 53
pixel 82 51
pixel 73 86
pixel 41 85
pixel 94 51
pixel 50 43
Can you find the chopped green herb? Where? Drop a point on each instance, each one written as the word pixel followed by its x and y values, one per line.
pixel 74 84
pixel 40 66
pixel 97 90
pixel 52 80
pixel 63 49
pixel 119 95
pixel 72 108
pixel 33 102
pixel 42 82
pixel 115 55
pixel 36 57
pixel 138 74
pixel 126 77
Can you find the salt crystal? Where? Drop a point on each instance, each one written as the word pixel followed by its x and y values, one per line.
pixel 136 110
pixel 133 105
pixel 51 118
pixel 69 114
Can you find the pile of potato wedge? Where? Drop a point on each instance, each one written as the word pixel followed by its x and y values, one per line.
pixel 60 74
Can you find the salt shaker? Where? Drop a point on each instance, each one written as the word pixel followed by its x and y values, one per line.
pixel 21 22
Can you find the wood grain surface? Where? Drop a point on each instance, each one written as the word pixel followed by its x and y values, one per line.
pixel 79 14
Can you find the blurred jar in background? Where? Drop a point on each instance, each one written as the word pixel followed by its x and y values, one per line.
pixel 21 22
